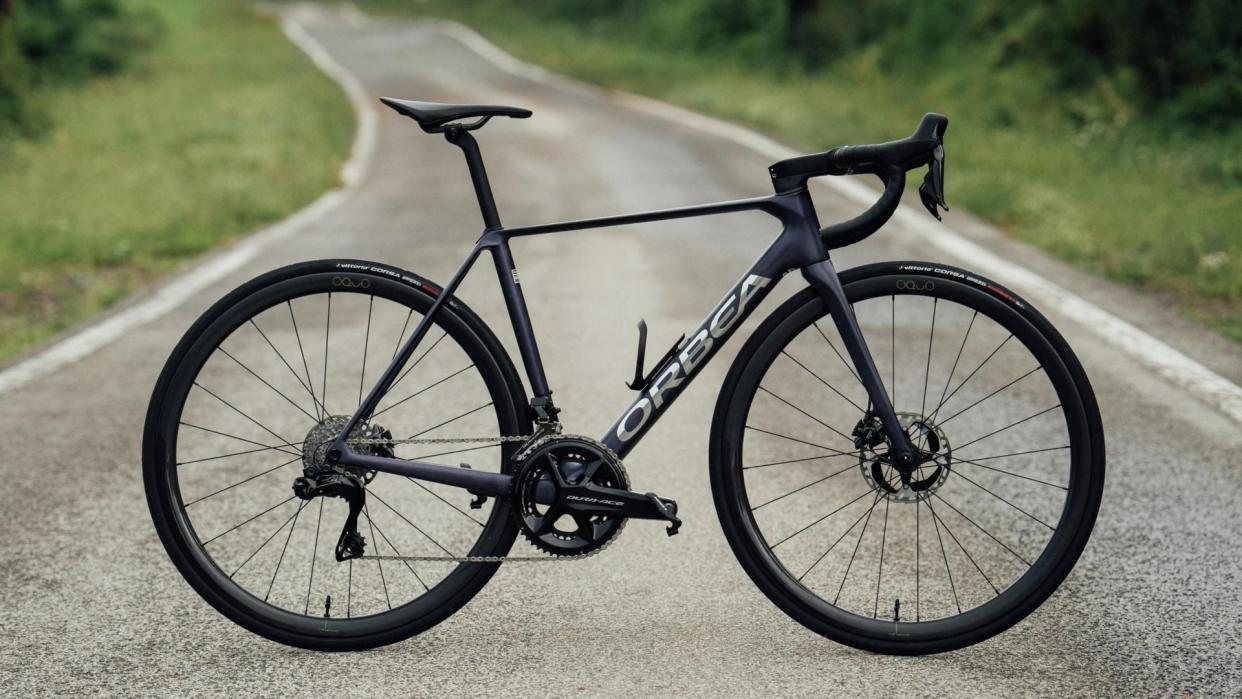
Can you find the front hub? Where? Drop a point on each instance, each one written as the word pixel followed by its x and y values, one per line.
pixel 904 482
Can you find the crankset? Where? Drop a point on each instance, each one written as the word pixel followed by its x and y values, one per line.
pixel 572 497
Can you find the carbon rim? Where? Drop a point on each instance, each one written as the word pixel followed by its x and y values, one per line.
pixel 861 526
pixel 268 343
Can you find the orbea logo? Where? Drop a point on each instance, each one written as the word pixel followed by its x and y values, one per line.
pixel 697 348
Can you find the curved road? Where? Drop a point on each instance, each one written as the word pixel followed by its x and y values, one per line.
pixel 90 603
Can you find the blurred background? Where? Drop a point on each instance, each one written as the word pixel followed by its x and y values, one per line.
pixel 136 134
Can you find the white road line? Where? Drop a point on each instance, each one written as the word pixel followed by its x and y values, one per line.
pixel 216 267
pixel 1148 350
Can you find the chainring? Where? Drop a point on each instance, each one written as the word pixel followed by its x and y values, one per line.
pixel 548 527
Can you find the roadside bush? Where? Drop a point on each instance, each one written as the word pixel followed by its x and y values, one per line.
pixel 56 41
pixel 1178 60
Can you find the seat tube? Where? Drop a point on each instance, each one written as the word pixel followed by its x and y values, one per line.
pixel 823 278
pixel 515 302
pixel 478 174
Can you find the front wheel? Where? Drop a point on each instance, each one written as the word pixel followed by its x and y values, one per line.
pixel 974 539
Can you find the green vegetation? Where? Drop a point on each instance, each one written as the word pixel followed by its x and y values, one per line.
pixel 1107 132
pixel 219 126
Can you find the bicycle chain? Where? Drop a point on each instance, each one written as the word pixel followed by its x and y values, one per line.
pixel 540 436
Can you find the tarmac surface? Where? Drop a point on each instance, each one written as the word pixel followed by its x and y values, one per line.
pixel 90 603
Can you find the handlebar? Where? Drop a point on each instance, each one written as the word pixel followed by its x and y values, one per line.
pixel 889 161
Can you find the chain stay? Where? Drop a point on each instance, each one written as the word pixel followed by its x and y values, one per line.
pixel 474 559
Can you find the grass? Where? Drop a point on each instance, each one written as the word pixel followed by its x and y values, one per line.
pixel 1076 175
pixel 221 127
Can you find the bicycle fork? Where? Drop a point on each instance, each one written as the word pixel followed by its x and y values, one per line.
pixel 822 277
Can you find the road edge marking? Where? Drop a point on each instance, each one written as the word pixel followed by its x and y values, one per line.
pixel 1164 359
pixel 201 275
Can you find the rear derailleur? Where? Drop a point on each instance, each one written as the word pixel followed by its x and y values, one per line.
pixel 338 485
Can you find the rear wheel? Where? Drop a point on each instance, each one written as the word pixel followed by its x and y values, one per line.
pixel 248 402
pixel 960 549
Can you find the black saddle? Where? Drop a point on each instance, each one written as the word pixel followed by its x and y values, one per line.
pixel 434 117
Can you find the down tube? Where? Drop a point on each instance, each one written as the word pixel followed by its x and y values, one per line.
pixel 676 374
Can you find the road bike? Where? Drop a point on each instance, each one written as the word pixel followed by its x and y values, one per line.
pixel 906 396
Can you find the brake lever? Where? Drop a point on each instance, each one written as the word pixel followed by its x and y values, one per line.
pixel 931 192
pixel 929 200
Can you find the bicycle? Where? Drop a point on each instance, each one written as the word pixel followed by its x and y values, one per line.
pixel 812 432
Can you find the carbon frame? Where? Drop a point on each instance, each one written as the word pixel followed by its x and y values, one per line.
pixel 799 246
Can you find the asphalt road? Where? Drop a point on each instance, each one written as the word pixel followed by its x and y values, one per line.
pixel 89 603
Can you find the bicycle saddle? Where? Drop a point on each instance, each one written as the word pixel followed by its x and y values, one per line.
pixel 433 117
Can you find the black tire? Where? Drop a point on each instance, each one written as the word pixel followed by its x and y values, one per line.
pixel 855 622
pixel 387 290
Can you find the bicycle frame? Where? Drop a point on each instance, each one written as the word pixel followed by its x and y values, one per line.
pixel 798 246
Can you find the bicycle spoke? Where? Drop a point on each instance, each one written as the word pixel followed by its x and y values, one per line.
pixel 971 376
pixel 1016 453
pixel 812 524
pixel 838 353
pixel 349 590
pixel 314 402
pixel 383 580
pixel 446 502
pixel 931 336
pixel 970 480
pixel 1012 424
pixel 798 461
pixel 843 535
pixel 800 441
pixel 416 361
pixel 246 480
pixel 960 460
pixel 321 409
pixel 821 422
pixel 918 550
pixel 251 371
pixel 407 521
pixel 880 570
pixel 819 379
pixel 956 359
pixel 800 489
pixel 421 391
pixel 263 545
pixel 233 436
pixel 281 560
pixel 327 330
pixel 235 409
pixel 963 548
pixel 993 393
pixel 861 533
pixel 452 419
pixel 990 535
pixel 952 587
pixel 247 521
pixel 398 552
pixel 401 335
pixel 235 453
pixel 366 342
pixel 314 556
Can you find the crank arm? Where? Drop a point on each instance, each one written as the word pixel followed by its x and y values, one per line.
pixel 601 500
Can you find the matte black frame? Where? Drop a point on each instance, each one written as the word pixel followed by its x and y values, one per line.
pixel 800 246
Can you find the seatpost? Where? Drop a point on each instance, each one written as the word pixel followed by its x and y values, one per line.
pixel 461 138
